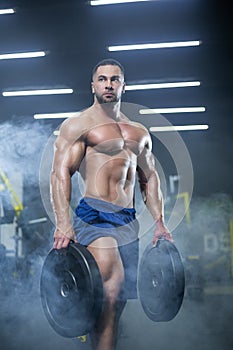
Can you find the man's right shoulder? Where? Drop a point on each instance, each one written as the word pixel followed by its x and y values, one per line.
pixel 77 125
pixel 78 118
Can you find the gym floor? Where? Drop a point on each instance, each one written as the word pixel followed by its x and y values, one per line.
pixel 203 323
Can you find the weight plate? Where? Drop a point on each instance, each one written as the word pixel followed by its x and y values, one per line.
pixel 71 290
pixel 161 281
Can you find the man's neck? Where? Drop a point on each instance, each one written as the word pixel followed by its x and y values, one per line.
pixel 111 110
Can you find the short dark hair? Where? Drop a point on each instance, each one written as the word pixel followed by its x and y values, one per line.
pixel 108 62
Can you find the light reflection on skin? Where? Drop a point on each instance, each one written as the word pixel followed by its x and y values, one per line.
pixel 174 145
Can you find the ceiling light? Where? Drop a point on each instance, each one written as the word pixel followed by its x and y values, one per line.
pixel 112 2
pixel 37 92
pixel 162 85
pixel 172 110
pixel 55 115
pixel 34 54
pixel 6 11
pixel 154 46
pixel 179 128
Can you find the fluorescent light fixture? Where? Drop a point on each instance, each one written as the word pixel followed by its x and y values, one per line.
pixel 55 115
pixel 162 85
pixel 154 46
pixel 112 2
pixel 179 128
pixel 6 11
pixel 37 92
pixel 172 110
pixel 34 54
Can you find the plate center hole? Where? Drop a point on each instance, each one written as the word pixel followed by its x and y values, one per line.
pixel 65 290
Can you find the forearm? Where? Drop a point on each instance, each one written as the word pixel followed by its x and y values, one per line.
pixel 154 202
pixel 154 198
pixel 60 190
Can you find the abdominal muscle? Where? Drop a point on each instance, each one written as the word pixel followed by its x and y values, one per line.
pixel 110 178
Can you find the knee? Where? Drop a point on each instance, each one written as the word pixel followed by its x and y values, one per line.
pixel 112 290
pixel 111 297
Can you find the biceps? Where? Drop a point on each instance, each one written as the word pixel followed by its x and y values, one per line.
pixel 145 166
pixel 67 159
pixel 74 157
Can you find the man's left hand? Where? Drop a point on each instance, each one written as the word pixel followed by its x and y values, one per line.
pixel 161 231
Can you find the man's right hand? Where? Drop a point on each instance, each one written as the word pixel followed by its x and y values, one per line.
pixel 62 240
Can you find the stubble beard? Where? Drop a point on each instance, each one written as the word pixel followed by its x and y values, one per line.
pixel 103 100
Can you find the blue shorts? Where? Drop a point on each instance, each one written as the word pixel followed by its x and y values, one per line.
pixel 96 218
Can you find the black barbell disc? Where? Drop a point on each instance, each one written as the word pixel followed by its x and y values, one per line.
pixel 71 290
pixel 161 281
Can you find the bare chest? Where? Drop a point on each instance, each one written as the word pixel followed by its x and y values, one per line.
pixel 114 138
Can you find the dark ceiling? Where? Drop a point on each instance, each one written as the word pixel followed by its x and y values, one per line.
pixel 76 36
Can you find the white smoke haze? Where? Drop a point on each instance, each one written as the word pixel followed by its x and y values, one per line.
pixel 21 146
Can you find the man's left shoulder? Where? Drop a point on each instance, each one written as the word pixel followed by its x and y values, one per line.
pixel 140 129
pixel 136 125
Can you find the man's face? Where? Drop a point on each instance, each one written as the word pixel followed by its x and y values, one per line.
pixel 108 84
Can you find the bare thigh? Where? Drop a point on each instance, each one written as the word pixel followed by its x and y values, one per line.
pixel 107 256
